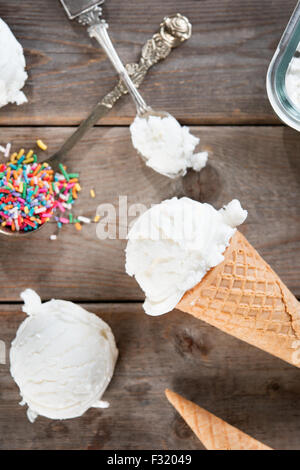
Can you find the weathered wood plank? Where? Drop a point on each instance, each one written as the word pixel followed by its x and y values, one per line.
pixel 250 389
pixel 258 165
pixel 217 77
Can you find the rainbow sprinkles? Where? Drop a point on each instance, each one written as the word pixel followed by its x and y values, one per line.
pixel 30 193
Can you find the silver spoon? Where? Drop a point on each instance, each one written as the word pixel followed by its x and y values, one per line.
pixel 97 29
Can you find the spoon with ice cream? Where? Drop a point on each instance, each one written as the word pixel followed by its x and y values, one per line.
pixel 163 143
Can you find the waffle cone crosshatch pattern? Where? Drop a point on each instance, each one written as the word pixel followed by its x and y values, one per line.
pixel 244 297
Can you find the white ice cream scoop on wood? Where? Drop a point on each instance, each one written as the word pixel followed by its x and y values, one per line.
pixel 62 358
pixel 163 143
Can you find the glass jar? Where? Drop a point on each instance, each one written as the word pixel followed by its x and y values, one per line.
pixel 281 101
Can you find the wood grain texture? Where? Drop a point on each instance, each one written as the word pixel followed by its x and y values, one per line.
pixel 258 165
pixel 217 77
pixel 250 389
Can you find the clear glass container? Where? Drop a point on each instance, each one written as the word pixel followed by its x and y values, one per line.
pixel 286 110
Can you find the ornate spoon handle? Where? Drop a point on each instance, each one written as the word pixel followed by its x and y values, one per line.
pixel 174 30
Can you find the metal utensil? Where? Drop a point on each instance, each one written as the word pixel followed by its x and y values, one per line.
pixel 174 30
pixel 91 16
pixel 76 8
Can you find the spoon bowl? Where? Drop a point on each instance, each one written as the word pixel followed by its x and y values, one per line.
pixel 146 114
pixel 11 234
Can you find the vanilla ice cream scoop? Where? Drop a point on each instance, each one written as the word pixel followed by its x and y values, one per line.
pixel 166 146
pixel 174 244
pixel 62 358
pixel 12 68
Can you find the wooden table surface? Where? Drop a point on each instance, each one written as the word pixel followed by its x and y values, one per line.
pixel 215 83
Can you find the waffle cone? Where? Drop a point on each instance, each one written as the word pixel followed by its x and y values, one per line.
pixel 213 432
pixel 245 298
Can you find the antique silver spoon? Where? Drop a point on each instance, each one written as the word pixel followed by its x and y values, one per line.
pixel 91 16
pixel 89 13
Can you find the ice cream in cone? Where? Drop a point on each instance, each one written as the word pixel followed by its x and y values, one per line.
pixel 188 255
pixel 213 432
pixel 244 297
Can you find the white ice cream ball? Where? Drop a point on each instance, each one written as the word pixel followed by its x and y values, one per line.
pixel 233 214
pixel 166 146
pixel 62 358
pixel 12 68
pixel 174 244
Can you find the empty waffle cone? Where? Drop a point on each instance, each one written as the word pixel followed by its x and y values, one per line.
pixel 213 432
pixel 245 298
